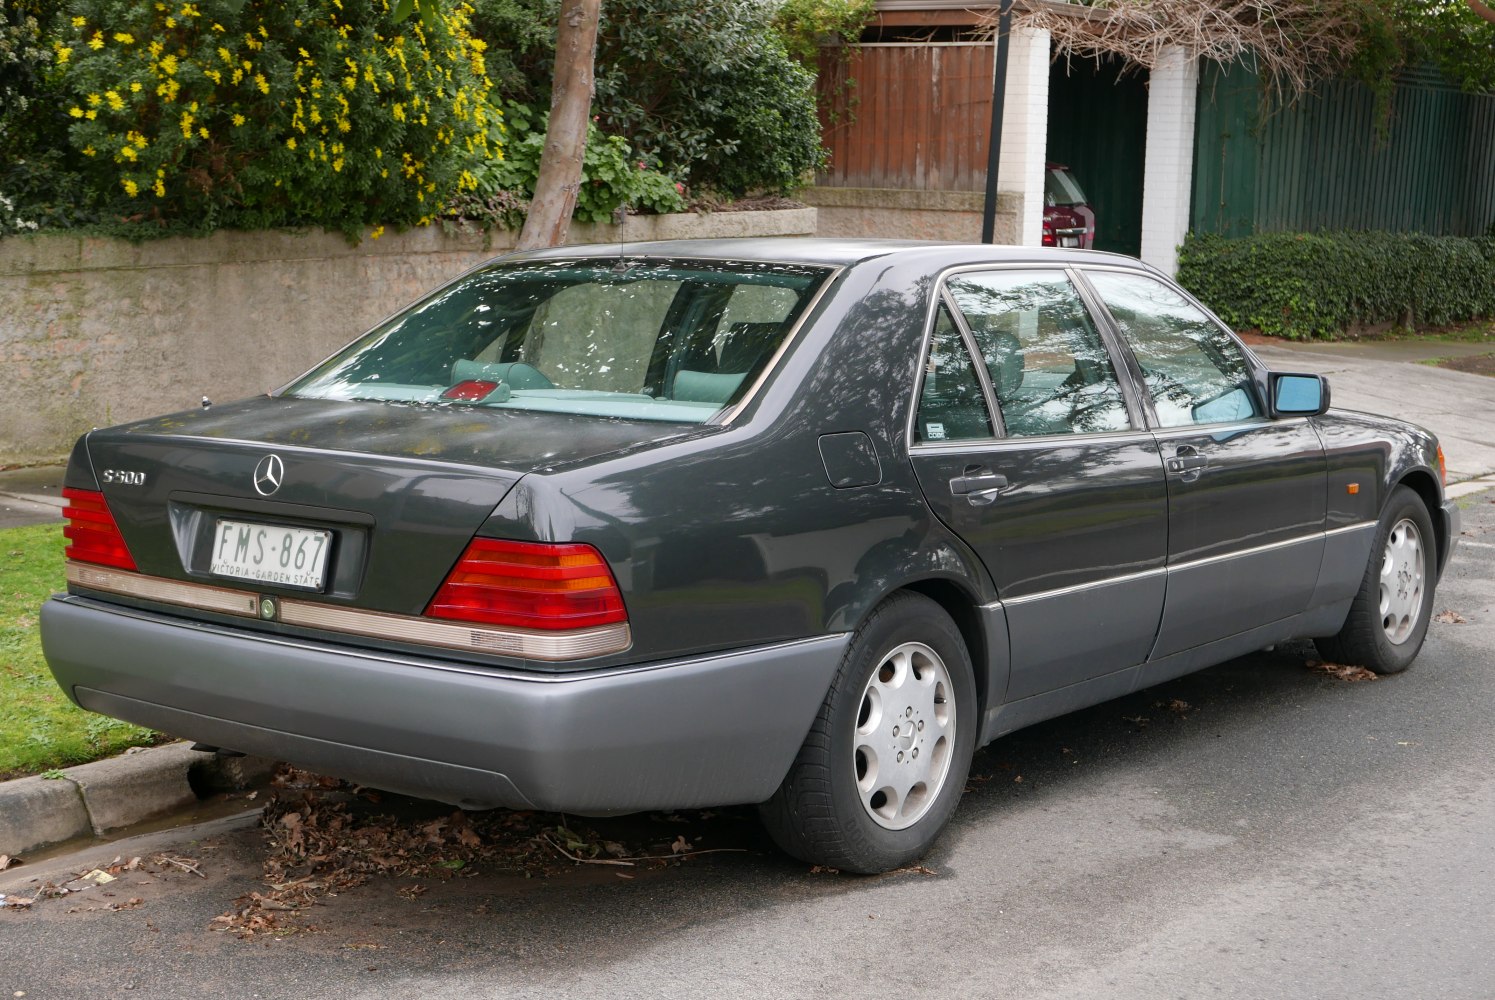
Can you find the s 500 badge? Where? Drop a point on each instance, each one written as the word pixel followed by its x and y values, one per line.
pixel 122 477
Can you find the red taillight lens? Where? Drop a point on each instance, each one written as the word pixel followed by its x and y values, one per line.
pixel 91 529
pixel 470 391
pixel 530 585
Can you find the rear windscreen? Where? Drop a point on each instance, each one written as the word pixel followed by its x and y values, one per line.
pixel 639 339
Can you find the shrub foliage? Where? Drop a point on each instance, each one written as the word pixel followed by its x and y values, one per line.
pixel 1304 285
pixel 259 113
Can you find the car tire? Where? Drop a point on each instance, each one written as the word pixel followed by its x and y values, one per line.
pixel 858 797
pixel 1389 617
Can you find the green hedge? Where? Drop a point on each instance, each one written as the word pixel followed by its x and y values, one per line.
pixel 1307 285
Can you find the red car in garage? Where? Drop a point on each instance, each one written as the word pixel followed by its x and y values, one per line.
pixel 1068 219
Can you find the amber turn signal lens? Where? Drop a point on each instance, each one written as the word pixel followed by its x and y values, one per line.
pixel 1442 466
pixel 91 530
pixel 531 585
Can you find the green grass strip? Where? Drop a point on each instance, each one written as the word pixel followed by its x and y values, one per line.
pixel 39 728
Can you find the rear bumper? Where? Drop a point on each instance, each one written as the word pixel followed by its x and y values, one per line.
pixel 711 730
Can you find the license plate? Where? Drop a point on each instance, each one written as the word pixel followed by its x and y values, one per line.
pixel 268 553
pixel 1069 241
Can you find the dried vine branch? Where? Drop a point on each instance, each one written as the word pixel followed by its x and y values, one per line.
pixel 1291 43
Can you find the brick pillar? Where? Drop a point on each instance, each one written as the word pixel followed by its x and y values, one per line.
pixel 1169 179
pixel 1025 130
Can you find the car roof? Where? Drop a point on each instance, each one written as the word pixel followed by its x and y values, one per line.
pixel 836 252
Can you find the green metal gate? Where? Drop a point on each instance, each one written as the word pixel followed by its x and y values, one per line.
pixel 1098 127
pixel 1320 164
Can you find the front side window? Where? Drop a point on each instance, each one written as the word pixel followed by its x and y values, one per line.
pixel 1048 364
pixel 1195 372
pixel 648 340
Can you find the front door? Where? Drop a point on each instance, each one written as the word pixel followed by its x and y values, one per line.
pixel 1246 494
pixel 1060 491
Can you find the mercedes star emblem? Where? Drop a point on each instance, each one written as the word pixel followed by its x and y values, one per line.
pixel 268 475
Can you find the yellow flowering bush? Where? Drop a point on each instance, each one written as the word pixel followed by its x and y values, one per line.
pixel 255 113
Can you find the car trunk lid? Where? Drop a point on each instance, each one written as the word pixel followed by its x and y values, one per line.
pixel 380 498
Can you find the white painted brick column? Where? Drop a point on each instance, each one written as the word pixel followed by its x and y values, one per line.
pixel 1025 129
pixel 1169 180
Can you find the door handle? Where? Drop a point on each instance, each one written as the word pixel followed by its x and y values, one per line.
pixel 979 485
pixel 1186 462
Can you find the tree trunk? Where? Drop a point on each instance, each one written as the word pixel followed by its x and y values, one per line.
pixel 550 211
pixel 1483 10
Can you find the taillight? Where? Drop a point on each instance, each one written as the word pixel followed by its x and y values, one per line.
pixel 1442 466
pixel 530 585
pixel 91 529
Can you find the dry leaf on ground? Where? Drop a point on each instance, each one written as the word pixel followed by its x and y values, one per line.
pixel 1446 617
pixel 1342 671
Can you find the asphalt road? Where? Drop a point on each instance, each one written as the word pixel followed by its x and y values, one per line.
pixel 1283 834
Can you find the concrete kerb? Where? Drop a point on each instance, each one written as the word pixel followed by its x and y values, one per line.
pixel 107 795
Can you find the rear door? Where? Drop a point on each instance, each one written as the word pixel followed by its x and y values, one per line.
pixel 1246 494
pixel 1038 458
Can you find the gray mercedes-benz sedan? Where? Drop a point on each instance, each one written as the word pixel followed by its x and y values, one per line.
pixel 791 522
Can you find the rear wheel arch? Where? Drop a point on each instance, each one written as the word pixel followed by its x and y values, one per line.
pixel 961 605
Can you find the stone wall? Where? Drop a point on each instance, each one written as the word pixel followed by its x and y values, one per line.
pixel 899 213
pixel 97 331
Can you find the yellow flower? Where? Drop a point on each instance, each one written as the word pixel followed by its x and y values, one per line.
pixel 75 112
pixel 171 22
pixel 217 27
pixel 135 87
pixel 377 232
pixel 337 165
pixel 91 114
pixel 262 83
pixel 97 41
pixel 116 103
pixel 131 188
pixel 239 119
pixel 202 132
pixel 291 143
pixel 79 22
pixel 168 64
pixel 90 151
pixel 124 38
pixel 63 54
pixel 159 187
pixel 225 55
pixel 128 152
pixel 266 34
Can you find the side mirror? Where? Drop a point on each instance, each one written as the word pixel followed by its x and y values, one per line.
pixel 1298 395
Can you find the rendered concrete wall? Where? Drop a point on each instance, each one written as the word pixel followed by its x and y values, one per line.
pixel 905 214
pixel 96 331
pixel 1172 96
pixel 1025 130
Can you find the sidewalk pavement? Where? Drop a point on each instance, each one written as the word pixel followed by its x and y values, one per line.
pixel 1379 378
pixel 1387 377
pixel 30 496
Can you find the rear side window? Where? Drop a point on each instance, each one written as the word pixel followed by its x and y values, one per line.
pixel 951 404
pixel 650 340
pixel 1195 372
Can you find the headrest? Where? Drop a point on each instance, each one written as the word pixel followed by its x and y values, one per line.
pixel 1004 359
pixel 706 387
pixel 746 344
pixel 517 374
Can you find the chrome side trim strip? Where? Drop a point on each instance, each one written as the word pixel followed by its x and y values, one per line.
pixel 1090 585
pixel 529 644
pixel 1174 567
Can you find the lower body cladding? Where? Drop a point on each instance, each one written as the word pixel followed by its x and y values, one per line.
pixel 712 730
